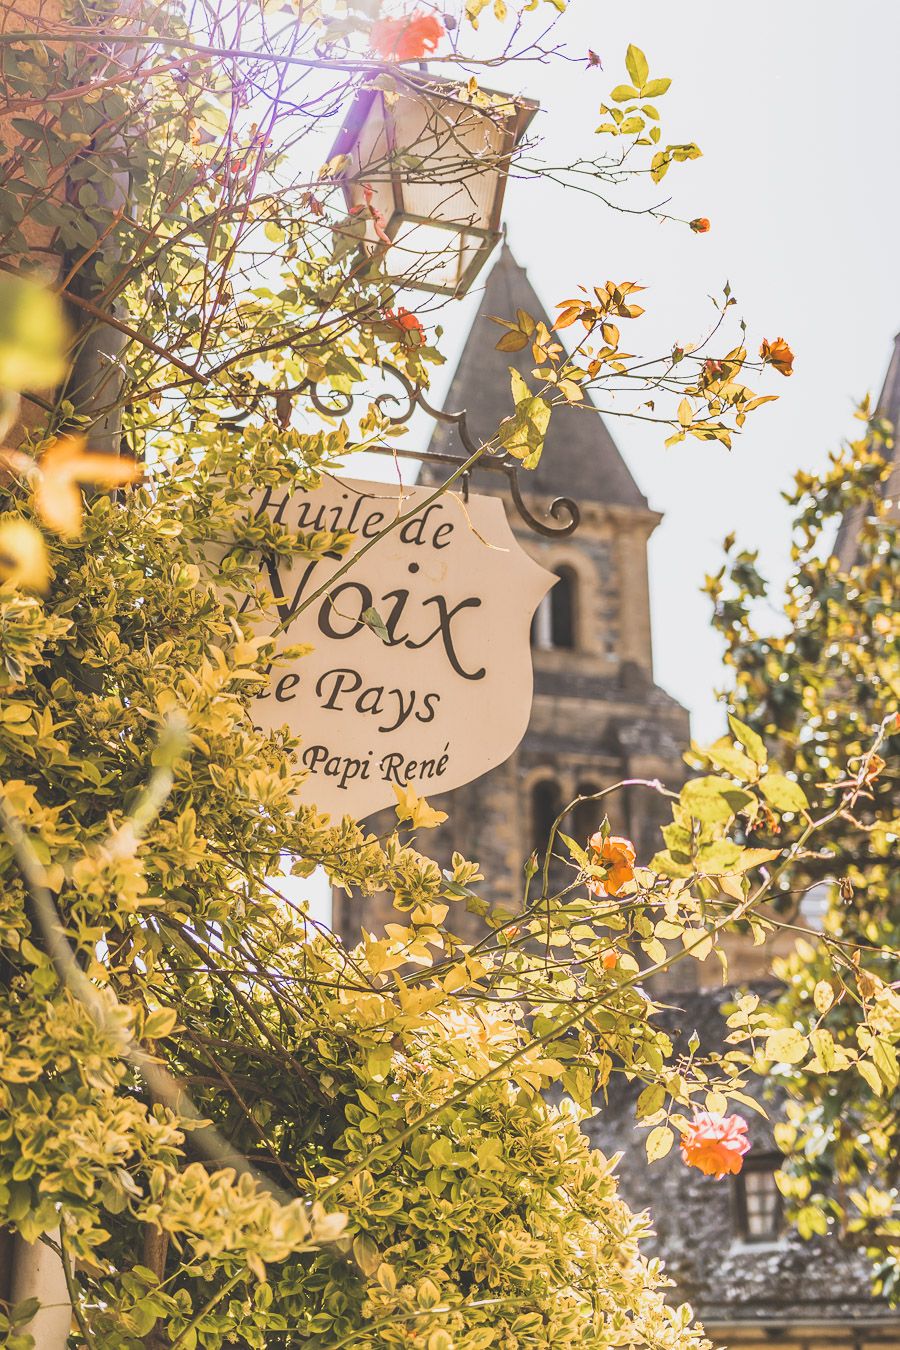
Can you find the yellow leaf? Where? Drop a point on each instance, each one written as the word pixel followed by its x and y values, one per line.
pixel 410 806
pixel 823 996
pixel 636 65
pixel 787 1046
pixel 659 1142
pixel 685 413
pixel 867 1070
pixel 63 467
pixel 160 1023
pixel 23 555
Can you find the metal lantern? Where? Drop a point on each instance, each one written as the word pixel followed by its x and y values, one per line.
pixel 426 164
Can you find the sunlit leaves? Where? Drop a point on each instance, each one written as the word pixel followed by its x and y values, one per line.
pixel 33 335
pixel 751 741
pixel 786 1046
pixel 415 809
pixel 23 555
pixel 715 800
pixel 631 114
pixel 522 435
pixel 672 154
pixel 783 793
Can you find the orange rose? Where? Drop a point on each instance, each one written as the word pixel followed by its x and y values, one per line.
pixel 407 38
pixel 778 354
pixel 715 1144
pixel 618 855
pixel 700 225
pixel 406 322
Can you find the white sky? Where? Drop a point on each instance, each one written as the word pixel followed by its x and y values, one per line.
pixel 796 107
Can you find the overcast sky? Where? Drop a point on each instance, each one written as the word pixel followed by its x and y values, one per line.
pixel 797 110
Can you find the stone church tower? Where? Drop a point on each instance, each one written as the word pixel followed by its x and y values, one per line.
pixel 598 717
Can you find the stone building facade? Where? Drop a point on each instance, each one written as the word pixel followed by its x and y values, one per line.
pixel 597 718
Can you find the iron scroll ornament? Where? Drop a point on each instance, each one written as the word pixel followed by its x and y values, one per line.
pixel 336 403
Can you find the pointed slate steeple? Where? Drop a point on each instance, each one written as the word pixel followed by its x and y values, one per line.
pixel 580 458
pixel 888 406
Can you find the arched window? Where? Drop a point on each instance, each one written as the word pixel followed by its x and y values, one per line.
pixel 553 625
pixel 562 609
pixel 545 805
pixel 586 816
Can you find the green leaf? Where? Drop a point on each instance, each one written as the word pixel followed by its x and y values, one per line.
pixel 783 793
pixel 719 858
pixel 884 1057
pixel 160 1023
pixel 373 619
pixel 713 800
pixel 636 65
pixel 755 857
pixel 733 761
pixel 669 865
pixel 866 1069
pixel 650 1100
pixel 367 1255
pixel 752 743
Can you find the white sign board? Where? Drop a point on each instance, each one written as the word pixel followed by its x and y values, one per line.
pixel 448 695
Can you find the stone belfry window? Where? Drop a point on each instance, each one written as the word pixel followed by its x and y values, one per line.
pixel 546 801
pixel 554 620
pixel 586 816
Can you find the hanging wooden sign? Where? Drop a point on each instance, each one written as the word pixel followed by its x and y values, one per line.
pixel 440 690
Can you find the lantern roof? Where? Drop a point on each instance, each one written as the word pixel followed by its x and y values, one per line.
pixel 580 459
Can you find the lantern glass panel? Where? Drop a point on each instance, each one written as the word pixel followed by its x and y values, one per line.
pixel 453 160
pixel 436 257
pixel 428 170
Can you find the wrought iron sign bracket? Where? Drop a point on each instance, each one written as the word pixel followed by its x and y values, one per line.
pixel 562 511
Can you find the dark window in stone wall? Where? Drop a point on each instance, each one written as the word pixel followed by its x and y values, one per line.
pixel 562 609
pixel 553 625
pixel 545 804
pixel 758 1207
pixel 587 816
